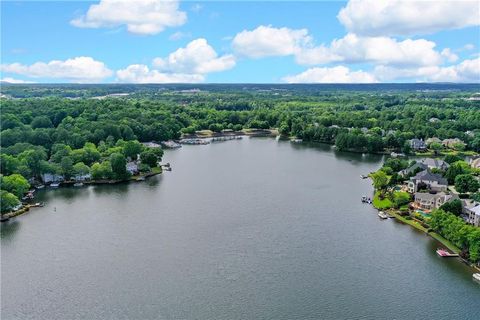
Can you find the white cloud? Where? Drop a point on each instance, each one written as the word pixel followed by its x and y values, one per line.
pixel 79 69
pixel 466 71
pixel 12 80
pixel 407 17
pixel 384 50
pixel 198 57
pixel 449 55
pixel 267 41
pixel 145 17
pixel 179 35
pixel 139 73
pixel 338 74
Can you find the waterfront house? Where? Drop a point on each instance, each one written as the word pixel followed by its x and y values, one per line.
pixel 430 201
pixel 431 181
pixel 451 143
pixel 132 167
pixel 435 164
pixel 473 214
pixel 417 166
pixel 82 177
pixel 52 177
pixel 418 144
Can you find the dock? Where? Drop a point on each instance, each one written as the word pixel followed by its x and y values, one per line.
pixel 445 254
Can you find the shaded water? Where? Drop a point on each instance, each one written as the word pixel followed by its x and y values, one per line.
pixel 249 229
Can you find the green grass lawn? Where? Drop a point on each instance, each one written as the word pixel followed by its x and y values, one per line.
pixel 381 204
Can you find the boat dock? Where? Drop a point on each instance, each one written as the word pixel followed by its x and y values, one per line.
pixel 445 254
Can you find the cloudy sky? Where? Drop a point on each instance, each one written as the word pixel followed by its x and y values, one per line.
pixel 157 41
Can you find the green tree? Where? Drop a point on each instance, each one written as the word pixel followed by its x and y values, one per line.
pixel 8 164
pixel 149 157
pixel 455 206
pixel 380 180
pixel 15 184
pixel 67 167
pixel 41 122
pixel 118 163
pixel 400 198
pixel 451 158
pixel 7 201
pixel 33 158
pixel 80 169
pixel 132 149
pixel 454 170
pixel 466 183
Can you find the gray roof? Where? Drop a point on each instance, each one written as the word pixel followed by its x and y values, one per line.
pixel 412 168
pixel 426 175
pixel 435 163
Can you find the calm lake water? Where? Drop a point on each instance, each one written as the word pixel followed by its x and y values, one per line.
pixel 248 229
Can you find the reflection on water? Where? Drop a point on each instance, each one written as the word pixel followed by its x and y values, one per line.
pixel 246 229
pixel 8 229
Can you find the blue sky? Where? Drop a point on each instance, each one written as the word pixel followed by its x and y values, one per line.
pixel 240 42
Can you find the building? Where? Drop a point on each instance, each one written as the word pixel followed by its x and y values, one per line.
pixel 132 167
pixel 151 145
pixel 430 201
pixel 417 166
pixel 418 145
pixel 473 214
pixel 451 143
pixel 435 164
pixel 431 181
pixel 475 163
pixel 52 177
pixel 82 177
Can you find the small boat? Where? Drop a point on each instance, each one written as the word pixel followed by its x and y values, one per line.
pixel 38 204
pixel 476 276
pixel 382 215
pixel 78 184
pixel 363 176
pixel 40 186
pixel 142 178
pixel 55 185
pixel 445 254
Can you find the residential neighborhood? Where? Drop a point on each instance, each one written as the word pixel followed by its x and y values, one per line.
pixel 430 189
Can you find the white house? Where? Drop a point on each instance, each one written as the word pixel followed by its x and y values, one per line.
pixel 473 214
pixel 52 177
pixel 132 167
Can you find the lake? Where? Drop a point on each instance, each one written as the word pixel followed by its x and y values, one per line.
pixel 245 229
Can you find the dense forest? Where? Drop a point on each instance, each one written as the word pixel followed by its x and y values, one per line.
pixel 78 129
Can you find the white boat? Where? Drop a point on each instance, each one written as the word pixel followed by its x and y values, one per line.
pixel 40 186
pixel 55 185
pixel 382 215
pixel 476 276
pixel 78 184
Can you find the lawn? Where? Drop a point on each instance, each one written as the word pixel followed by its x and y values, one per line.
pixel 381 204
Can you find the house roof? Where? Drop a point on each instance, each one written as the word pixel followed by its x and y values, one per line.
pixel 426 175
pixel 435 163
pixel 413 167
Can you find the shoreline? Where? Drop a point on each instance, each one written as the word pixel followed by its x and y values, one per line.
pixel 69 184
pixel 417 225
